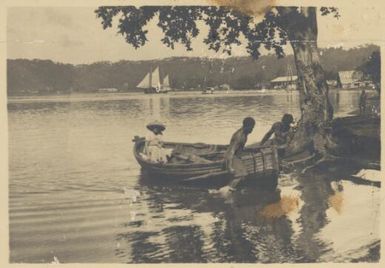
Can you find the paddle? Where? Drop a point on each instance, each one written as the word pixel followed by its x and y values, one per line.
pixel 205 176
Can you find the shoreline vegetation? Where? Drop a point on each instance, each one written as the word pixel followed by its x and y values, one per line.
pixel 89 96
pixel 46 77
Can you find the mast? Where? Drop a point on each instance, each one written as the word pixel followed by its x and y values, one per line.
pixel 150 78
pixel 155 78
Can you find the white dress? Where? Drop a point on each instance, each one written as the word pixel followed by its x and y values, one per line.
pixel 154 148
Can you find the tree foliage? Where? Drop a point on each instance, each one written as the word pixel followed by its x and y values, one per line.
pixel 227 26
pixel 372 67
pixel 44 76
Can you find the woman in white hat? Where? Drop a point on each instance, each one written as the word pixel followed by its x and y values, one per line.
pixel 154 143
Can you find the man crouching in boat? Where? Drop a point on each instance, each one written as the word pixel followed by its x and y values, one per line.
pixel 281 131
pixel 233 161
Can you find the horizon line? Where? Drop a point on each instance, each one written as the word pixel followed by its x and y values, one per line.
pixel 191 57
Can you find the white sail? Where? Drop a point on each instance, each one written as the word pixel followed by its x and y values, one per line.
pixel 166 82
pixel 145 83
pixel 155 78
pixel 152 82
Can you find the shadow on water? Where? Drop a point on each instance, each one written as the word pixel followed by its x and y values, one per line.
pixel 252 225
pixel 326 188
pixel 215 182
pixel 234 229
pixel 217 234
pixel 325 215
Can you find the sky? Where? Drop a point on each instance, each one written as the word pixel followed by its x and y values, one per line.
pixel 74 35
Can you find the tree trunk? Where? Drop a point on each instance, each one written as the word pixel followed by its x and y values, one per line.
pixel 315 106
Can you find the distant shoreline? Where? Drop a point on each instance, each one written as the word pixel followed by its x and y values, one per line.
pixel 79 97
pixel 103 96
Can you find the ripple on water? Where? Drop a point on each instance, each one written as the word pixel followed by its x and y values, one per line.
pixel 75 193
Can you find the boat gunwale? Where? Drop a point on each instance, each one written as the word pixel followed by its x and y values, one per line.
pixel 213 164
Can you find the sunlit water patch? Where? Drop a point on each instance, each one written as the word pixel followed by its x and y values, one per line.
pixel 76 193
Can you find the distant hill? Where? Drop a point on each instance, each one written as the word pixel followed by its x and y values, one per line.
pixel 47 77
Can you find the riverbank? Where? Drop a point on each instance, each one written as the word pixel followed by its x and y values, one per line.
pixel 75 97
pixel 126 96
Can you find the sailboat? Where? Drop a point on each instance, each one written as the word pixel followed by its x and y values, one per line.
pixel 152 83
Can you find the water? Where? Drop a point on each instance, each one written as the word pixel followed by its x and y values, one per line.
pixel 76 193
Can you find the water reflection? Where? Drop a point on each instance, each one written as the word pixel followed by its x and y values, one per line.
pixel 239 231
pixel 206 229
pixel 77 193
pixel 293 223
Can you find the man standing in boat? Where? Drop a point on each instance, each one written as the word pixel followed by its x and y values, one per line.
pixel 234 163
pixel 281 132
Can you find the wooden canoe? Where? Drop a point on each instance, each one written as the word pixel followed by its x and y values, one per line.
pixel 260 161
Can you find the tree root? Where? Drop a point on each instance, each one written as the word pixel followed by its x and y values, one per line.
pixel 324 158
pixel 367 164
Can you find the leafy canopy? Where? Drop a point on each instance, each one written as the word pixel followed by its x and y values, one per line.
pixel 372 67
pixel 226 25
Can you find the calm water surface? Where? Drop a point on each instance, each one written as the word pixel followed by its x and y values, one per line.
pixel 76 194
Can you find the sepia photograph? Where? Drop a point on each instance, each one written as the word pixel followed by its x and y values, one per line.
pixel 235 131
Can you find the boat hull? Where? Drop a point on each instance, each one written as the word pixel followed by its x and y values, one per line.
pixel 154 91
pixel 262 163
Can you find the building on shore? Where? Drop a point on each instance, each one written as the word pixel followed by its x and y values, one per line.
pixel 354 79
pixel 284 82
pixel 107 90
pixel 350 79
